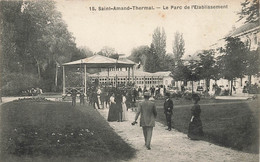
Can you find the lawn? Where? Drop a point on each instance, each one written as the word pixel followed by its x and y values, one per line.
pixel 55 131
pixel 232 124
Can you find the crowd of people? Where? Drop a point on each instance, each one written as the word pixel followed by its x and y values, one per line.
pixel 120 100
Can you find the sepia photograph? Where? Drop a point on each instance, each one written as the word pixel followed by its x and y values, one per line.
pixel 129 80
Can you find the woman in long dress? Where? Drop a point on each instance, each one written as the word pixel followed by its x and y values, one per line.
pixel 112 113
pixel 124 108
pixel 195 131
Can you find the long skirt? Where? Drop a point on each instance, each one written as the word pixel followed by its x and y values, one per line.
pixel 124 109
pixel 195 131
pixel 112 113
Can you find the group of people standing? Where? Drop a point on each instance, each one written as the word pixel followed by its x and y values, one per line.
pixel 147 111
pixel 117 108
pixel 119 100
pixel 100 97
pixel 156 92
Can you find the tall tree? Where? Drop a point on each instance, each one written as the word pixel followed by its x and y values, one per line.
pixel 107 51
pixel 178 46
pixel 34 38
pixel 180 72
pixel 193 72
pixel 168 63
pixel 159 41
pixel 207 66
pixel 249 11
pixel 152 60
pixel 233 62
pixel 253 62
pixel 139 54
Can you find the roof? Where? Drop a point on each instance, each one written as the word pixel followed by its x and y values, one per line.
pixel 137 73
pixel 243 29
pixel 98 61
pixel 127 60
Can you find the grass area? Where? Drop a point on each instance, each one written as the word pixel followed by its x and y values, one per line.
pixel 232 125
pixel 55 131
pixel 182 101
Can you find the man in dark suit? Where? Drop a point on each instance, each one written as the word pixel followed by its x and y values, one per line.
pixel 73 96
pixel 148 113
pixel 168 107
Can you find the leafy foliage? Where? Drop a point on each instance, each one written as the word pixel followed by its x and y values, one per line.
pixel 107 51
pixel 181 72
pixel 139 54
pixel 34 39
pixel 253 62
pixel 159 41
pixel 152 60
pixel 178 46
pixel 234 59
pixel 249 11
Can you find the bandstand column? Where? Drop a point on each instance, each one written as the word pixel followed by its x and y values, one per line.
pixel 133 79
pixel 85 72
pixel 63 70
pixel 128 78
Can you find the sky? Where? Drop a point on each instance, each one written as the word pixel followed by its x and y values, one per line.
pixel 125 30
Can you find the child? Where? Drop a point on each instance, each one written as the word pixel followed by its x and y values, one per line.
pixel 195 131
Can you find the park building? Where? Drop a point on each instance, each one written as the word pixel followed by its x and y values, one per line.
pixel 119 76
pixel 141 79
pixel 249 34
pixel 107 71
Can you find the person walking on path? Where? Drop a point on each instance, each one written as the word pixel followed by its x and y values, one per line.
pixel 168 107
pixel 73 96
pixel 124 108
pixel 112 113
pixel 195 131
pixel 148 113
pixel 82 98
pixel 95 100
pixel 118 99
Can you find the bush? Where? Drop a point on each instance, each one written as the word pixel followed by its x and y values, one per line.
pixel 15 83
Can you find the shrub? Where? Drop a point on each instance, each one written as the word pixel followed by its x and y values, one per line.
pixel 15 83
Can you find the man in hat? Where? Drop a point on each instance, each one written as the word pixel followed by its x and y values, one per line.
pixel 168 107
pixel 73 96
pixel 148 113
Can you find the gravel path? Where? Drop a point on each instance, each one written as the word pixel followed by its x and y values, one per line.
pixel 173 146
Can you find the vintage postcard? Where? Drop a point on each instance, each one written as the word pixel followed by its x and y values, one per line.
pixel 129 80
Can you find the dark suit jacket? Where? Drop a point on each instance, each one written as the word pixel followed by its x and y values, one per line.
pixel 168 106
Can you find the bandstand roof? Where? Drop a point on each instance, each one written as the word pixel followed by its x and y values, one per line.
pixel 98 61
pixel 137 73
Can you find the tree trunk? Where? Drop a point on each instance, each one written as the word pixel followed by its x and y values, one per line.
pixel 39 70
pixel 56 76
pixel 192 86
pixel 207 84
pixel 231 87
pixel 249 79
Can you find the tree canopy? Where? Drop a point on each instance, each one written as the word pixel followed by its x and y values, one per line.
pixel 249 11
pixel 178 46
pixel 34 39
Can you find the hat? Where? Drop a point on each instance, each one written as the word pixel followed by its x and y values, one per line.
pixel 147 94
pixel 167 94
